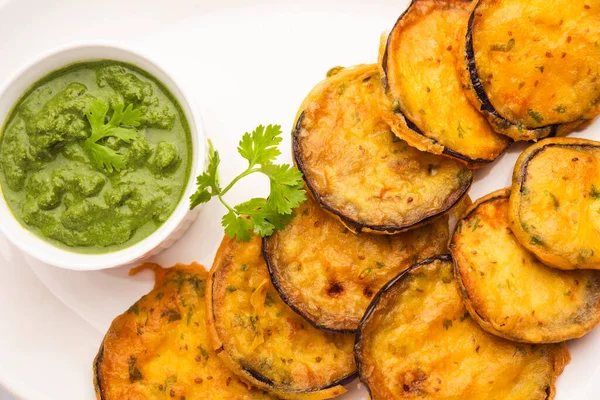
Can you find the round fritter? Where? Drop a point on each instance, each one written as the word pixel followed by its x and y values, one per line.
pixel 160 349
pixel 359 170
pixel 534 65
pixel 425 89
pixel 329 275
pixel 261 339
pixel 418 341
pixel 555 202
pixel 508 291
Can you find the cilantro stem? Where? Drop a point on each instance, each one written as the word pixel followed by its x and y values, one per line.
pixel 259 216
pixel 220 196
pixel 247 172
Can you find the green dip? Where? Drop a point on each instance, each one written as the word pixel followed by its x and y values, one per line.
pixel 51 175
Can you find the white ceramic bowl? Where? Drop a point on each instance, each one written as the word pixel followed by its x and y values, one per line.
pixel 177 223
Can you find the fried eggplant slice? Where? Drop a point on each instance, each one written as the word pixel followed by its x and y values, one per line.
pixel 263 340
pixel 359 170
pixel 160 349
pixel 418 341
pixel 508 291
pixel 555 202
pixel 532 66
pixel 425 90
pixel 329 275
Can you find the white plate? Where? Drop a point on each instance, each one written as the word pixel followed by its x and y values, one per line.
pixel 248 63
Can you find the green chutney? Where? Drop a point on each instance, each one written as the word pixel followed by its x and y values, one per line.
pixel 48 175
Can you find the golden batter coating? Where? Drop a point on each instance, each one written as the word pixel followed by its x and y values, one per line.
pixel 160 349
pixel 508 291
pixel 533 65
pixel 330 275
pixel 425 89
pixel 418 341
pixel 555 202
pixel 261 339
pixel 359 170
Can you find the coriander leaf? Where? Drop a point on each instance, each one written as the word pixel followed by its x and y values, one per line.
pixel 251 205
pixel 503 46
pixel 285 198
pixel 104 157
pixel 286 187
pixel 211 177
pixel 201 196
pixel 129 116
pixel 260 146
pixel 447 324
pixel 283 174
pixel 208 181
pixel 126 135
pixel 461 131
pixel 96 115
pixel 237 227
pixel 264 217
pixel 258 215
pixel 561 109
pixel 536 116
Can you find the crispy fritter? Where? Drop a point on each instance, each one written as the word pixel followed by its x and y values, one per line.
pixel 261 339
pixel 418 341
pixel 359 170
pixel 160 349
pixel 508 291
pixel 425 89
pixel 555 202
pixel 533 65
pixel 330 275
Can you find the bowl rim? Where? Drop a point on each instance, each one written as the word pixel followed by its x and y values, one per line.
pixel 45 251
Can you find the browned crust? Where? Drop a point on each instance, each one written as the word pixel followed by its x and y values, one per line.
pixel 98 384
pixel 410 129
pixel 349 222
pixel 340 323
pixel 357 226
pixel 480 99
pixel 105 367
pixel 332 390
pixel 277 284
pixel 518 182
pixel 561 356
pixel 375 303
pixel 473 309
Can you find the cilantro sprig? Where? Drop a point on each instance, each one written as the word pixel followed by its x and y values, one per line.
pixel 259 215
pixel 102 156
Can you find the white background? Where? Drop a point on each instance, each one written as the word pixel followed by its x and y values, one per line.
pixel 246 63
